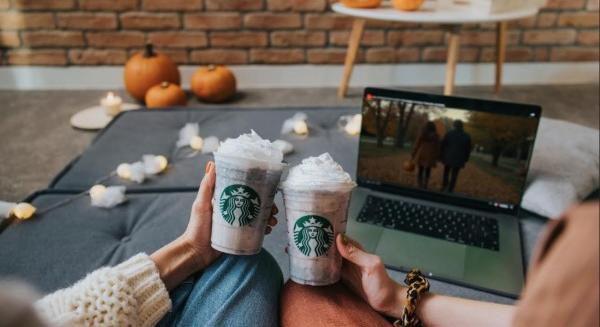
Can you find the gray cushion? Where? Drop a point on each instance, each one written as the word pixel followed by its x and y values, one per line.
pixel 55 249
pixel 136 133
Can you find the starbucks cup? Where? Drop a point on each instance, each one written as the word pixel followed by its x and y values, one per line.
pixel 242 203
pixel 316 194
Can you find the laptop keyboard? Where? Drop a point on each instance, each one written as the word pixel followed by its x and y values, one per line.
pixel 449 225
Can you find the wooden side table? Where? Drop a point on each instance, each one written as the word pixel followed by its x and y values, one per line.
pixel 451 17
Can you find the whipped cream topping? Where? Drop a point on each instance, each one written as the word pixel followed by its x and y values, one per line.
pixel 320 172
pixel 252 146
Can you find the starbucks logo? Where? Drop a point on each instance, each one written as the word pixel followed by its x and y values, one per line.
pixel 313 235
pixel 239 204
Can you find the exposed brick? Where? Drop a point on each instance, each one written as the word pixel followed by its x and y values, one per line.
pixel 513 54
pixel 243 5
pixel 547 19
pixel 381 55
pixel 327 21
pixel 87 21
pixel 326 56
pixel 541 54
pixel 277 56
pixel 172 5
pixel 97 57
pixel 4 4
pixel 565 4
pixel 407 38
pixel 44 57
pixel 528 22
pixel 213 21
pixel 390 25
pixel 297 5
pixel 587 37
pixel 487 38
pixel 44 4
pixel 178 39
pixel 566 36
pixel 298 38
pixel 179 56
pixel 219 56
pixel 238 39
pixel 9 39
pixel 115 39
pixel 407 54
pixel 13 20
pixel 369 38
pixel 574 54
pixel 578 19
pixel 108 5
pixel 52 39
pixel 438 54
pixel 272 21
pixel 147 21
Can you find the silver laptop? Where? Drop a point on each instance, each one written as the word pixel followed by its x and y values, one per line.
pixel 440 182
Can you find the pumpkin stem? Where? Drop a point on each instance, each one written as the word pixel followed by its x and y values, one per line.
pixel 211 68
pixel 164 85
pixel 149 50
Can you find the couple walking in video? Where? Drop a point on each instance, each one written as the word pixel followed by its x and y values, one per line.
pixel 453 151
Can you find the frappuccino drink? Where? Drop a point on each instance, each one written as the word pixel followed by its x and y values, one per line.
pixel 316 194
pixel 248 170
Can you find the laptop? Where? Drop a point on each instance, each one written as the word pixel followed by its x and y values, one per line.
pixel 440 180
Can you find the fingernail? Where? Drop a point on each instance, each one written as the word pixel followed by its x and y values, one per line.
pixel 208 167
pixel 344 239
pixel 275 210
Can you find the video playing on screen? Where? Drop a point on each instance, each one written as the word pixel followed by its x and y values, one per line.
pixel 473 154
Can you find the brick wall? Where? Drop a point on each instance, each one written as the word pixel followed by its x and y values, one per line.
pixel 106 32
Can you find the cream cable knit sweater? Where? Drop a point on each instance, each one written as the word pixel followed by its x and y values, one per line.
pixel 130 294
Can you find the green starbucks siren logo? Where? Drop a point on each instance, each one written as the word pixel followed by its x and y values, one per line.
pixel 313 235
pixel 239 204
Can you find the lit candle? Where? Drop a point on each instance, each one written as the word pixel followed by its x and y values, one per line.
pixel 112 104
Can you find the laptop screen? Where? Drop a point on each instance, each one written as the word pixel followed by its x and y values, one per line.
pixel 462 148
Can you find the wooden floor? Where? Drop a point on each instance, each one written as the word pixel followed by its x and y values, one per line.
pixel 37 141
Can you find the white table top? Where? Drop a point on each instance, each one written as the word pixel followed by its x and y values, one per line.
pixel 431 12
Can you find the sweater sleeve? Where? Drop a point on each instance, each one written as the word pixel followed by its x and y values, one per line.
pixel 130 294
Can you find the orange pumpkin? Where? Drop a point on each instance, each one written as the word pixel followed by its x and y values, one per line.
pixel 407 5
pixel 361 3
pixel 165 95
pixel 146 69
pixel 213 83
pixel 408 166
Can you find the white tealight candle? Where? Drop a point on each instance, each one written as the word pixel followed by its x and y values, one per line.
pixel 112 104
pixel 300 127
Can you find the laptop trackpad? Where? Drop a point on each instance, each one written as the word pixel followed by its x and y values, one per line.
pixel 407 250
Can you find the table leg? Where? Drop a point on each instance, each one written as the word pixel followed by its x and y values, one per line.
pixel 452 58
pixel 357 30
pixel 500 53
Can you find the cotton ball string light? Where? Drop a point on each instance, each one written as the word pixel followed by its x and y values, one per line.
pixel 297 124
pixel 23 210
pixel 134 172
pixel 107 197
pixel 154 164
pixel 6 208
pixel 196 143
pixel 285 146
pixel 351 124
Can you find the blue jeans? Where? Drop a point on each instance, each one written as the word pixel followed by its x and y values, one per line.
pixel 233 291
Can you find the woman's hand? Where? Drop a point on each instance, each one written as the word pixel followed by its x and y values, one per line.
pixel 365 274
pixel 192 252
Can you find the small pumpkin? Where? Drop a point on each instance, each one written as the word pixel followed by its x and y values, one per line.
pixel 165 95
pixel 407 5
pixel 361 3
pixel 214 83
pixel 408 166
pixel 146 69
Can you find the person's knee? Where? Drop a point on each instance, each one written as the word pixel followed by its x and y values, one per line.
pixel 262 267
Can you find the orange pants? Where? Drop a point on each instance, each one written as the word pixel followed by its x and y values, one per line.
pixel 333 305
